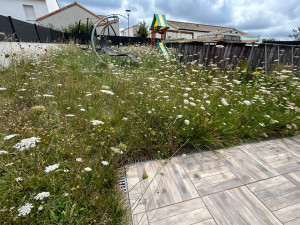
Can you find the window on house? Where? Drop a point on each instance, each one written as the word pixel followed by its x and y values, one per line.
pixel 29 12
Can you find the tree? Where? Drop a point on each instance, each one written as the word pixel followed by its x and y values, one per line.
pixel 142 30
pixel 296 34
pixel 268 39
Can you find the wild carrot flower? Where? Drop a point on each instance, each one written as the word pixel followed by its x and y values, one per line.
pixel 3 152
pixel 97 122
pixel 187 122
pixel 25 209
pixel 224 102
pixel 105 163
pixel 10 136
pixel 42 195
pixel 51 168
pixel 27 143
pixel 87 169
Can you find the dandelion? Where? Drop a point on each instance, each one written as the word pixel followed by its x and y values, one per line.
pixel 51 168
pixel 27 143
pixel 42 195
pixel 187 122
pixel 78 159
pixel 97 122
pixel 18 179
pixel 10 136
pixel 246 102
pixel 107 92
pixel 87 169
pixel 25 209
pixel 224 102
pixel 3 152
pixel 105 163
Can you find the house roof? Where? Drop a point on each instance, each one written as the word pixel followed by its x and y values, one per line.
pixel 66 7
pixel 199 27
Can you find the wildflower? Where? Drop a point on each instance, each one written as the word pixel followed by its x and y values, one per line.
pixel 42 195
pixel 66 170
pixel 246 102
pixel 69 115
pixel 179 116
pixel 116 150
pixel 38 108
pixel 51 168
pixel 97 122
pixel 18 179
pixel 192 104
pixel 267 116
pixel 9 136
pixel 207 102
pixel 149 112
pixel 27 143
pixel 3 89
pixel 288 126
pixel 9 164
pixel 185 94
pixel 111 66
pixel 40 208
pixel 105 163
pixel 82 110
pixel 47 95
pixel 78 159
pixel 124 118
pixel 224 102
pixel 25 209
pixel 59 85
pixel 3 152
pixel 186 101
pixel 274 121
pixel 262 124
pixel 87 169
pixel 187 122
pixel 107 92
pixel 202 108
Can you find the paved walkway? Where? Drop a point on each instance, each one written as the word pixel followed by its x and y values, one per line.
pixel 249 184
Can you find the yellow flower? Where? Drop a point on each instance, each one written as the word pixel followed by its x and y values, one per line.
pixel 158 152
pixel 77 186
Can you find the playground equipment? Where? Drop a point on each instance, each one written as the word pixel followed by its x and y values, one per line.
pixel 159 26
pixel 103 45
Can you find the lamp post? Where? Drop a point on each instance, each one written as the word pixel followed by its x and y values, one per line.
pixel 128 13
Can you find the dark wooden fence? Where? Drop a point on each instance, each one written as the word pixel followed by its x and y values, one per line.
pixel 226 54
pixel 22 31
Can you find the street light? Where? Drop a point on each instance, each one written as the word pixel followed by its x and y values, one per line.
pixel 128 13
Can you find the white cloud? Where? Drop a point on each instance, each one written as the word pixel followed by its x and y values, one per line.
pixel 268 18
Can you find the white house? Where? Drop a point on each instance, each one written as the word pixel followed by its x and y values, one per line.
pixel 199 30
pixel 27 10
pixel 74 13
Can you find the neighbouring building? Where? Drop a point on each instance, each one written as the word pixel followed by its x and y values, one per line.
pixel 27 10
pixel 132 31
pixel 199 30
pixel 73 13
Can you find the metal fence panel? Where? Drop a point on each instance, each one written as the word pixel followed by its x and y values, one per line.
pixel 25 31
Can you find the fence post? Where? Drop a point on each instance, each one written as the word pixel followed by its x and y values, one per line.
pixel 13 28
pixel 206 58
pixel 278 52
pixel 266 60
pixel 36 30
pixel 51 34
pixel 292 56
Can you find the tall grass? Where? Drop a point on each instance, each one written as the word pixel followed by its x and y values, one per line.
pixel 147 110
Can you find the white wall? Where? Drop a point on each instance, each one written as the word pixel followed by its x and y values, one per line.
pixel 22 50
pixel 14 8
pixel 52 5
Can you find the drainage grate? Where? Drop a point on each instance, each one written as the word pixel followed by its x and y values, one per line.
pixel 123 184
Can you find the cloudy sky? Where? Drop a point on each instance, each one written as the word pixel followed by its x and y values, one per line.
pixel 268 18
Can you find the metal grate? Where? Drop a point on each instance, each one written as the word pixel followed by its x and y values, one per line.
pixel 123 184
